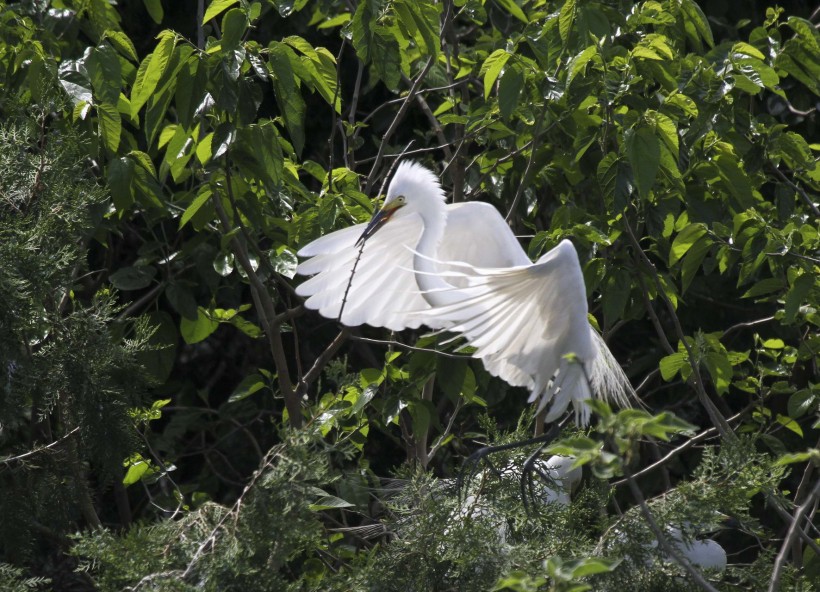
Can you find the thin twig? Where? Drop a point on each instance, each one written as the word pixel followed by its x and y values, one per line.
pixel 322 361
pixel 395 123
pixel 265 308
pixel 10 459
pixel 794 530
pixel 799 190
pixel 400 345
pixel 711 410
pixel 659 534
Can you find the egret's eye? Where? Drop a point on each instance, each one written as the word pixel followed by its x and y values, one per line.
pixel 400 199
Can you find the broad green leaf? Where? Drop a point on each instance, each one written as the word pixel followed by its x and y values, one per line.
pixel 790 424
pixel 566 20
pixel 692 260
pixel 643 153
pixel 288 95
pixel 578 63
pixel 509 89
pixel 137 468
pixel 764 287
pixel 199 329
pixel 492 68
pixel 336 21
pixel 386 57
pixel 696 24
pixel 797 294
pixel 151 70
pixel 154 8
pixel 133 278
pixel 216 7
pixel 284 262
pixel 515 10
pixel 123 44
pixel 248 386
pixel 191 210
pixel 182 300
pixel 720 369
pixel 684 241
pixel 813 454
pixel 104 71
pixel 672 364
pixel 234 25
pixel 361 28
pixel 110 125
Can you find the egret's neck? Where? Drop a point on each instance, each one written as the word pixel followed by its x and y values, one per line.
pixel 434 289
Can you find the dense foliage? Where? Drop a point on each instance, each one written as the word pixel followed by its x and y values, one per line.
pixel 171 416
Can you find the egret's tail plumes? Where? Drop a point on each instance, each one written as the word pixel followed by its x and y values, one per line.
pixel 609 383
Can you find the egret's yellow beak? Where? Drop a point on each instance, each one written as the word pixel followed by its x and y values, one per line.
pixel 378 220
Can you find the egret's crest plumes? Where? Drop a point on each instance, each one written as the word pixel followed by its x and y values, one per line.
pixel 415 183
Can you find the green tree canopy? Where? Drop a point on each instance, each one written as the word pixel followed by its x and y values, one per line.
pixel 173 418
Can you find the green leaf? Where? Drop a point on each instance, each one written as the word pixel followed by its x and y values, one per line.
pixel 695 24
pixel 643 153
pixel 122 44
pixel 594 565
pixel 685 240
pixel 216 7
pixel 288 96
pixel 797 294
pixel 284 262
pixel 194 331
pixel 790 424
pixel 361 28
pixel 151 70
pixel 515 10
pixel 509 89
pixel 672 364
pixel 492 68
pixel 133 278
pixel 191 210
pixel 578 63
pixel 110 125
pixel 763 287
pixel 566 20
pixel 813 454
pixel 104 71
pixel 386 57
pixel 182 300
pixel 720 369
pixel 247 387
pixel 615 179
pixel 802 402
pixel 137 468
pixel 692 260
pixel 234 25
pixel 154 8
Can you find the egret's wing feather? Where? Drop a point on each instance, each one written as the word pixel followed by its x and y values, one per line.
pixel 479 236
pixel 525 321
pixel 333 243
pixel 383 291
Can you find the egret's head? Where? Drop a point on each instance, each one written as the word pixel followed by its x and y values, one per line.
pixel 413 189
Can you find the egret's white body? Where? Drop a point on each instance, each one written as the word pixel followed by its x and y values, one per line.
pixel 459 267
pixel 702 553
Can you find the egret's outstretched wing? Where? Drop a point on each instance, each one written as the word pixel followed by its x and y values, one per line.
pixel 529 325
pixel 383 291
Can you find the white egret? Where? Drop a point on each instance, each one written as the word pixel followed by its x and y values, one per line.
pixel 459 267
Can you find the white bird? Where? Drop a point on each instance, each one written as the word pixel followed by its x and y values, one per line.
pixel 459 267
